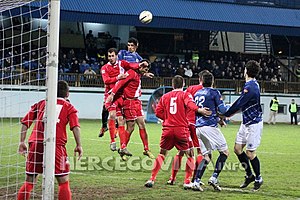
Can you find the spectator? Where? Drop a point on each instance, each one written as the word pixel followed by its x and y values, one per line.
pixel 293 109
pixel 274 80
pixel 75 68
pixel 273 110
pixel 180 70
pixel 188 72
pixel 89 72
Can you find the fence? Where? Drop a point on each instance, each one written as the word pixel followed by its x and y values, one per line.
pixel 81 80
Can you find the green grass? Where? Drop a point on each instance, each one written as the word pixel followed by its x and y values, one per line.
pixel 279 155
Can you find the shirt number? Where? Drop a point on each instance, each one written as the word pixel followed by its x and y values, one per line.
pixel 173 105
pixel 199 100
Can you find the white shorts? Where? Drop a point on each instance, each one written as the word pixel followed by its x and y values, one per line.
pixel 211 138
pixel 250 135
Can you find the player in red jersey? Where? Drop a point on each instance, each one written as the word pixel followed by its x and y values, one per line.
pixel 112 72
pixel 66 114
pixel 132 107
pixel 195 141
pixel 172 109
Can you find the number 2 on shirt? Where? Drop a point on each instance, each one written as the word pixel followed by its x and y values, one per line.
pixel 199 100
pixel 173 105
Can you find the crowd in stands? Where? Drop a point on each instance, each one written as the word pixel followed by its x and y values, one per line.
pixel 80 62
pixel 221 65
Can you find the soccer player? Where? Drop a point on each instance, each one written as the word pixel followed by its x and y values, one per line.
pixel 132 108
pixel 112 72
pixel 66 114
pixel 130 55
pixel 250 131
pixel 172 109
pixel 191 117
pixel 208 131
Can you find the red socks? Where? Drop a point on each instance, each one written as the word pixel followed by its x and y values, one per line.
pixel 122 137
pixel 112 129
pixel 144 137
pixel 127 137
pixel 64 192
pixel 24 192
pixel 157 165
pixel 189 168
pixel 176 166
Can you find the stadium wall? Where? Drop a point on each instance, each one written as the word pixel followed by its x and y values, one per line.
pixel 89 102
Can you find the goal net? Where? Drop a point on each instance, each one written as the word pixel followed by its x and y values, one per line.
pixel 24 76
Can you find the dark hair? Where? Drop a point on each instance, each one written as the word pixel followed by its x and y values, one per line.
pixel 145 60
pixel 133 40
pixel 62 89
pixel 207 79
pixel 112 50
pixel 253 68
pixel 177 82
pixel 201 73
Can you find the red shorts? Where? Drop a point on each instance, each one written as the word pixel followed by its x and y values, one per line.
pixel 175 136
pixel 132 109
pixel 116 105
pixel 34 162
pixel 193 135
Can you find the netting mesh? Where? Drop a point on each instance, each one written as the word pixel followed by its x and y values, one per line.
pixel 23 54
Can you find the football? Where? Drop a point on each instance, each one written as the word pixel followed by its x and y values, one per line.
pixel 145 17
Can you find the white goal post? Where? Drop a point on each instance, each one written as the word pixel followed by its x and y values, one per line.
pixel 29 50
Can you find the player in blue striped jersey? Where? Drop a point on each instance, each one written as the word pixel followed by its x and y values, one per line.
pixel 208 132
pixel 250 131
pixel 130 55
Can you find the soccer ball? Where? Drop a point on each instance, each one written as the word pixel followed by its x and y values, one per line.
pixel 146 17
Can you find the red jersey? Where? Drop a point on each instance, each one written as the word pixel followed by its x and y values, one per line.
pixel 110 72
pixel 191 115
pixel 131 85
pixel 66 113
pixel 172 108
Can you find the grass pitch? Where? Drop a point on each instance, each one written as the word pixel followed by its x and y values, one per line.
pixel 102 175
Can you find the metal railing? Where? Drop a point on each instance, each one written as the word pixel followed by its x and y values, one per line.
pixel 81 80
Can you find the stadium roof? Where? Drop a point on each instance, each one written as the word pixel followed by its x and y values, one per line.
pixel 186 14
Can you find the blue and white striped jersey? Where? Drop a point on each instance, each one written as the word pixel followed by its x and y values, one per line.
pixel 212 99
pixel 249 103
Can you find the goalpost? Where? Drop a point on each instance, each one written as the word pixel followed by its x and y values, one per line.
pixel 29 35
